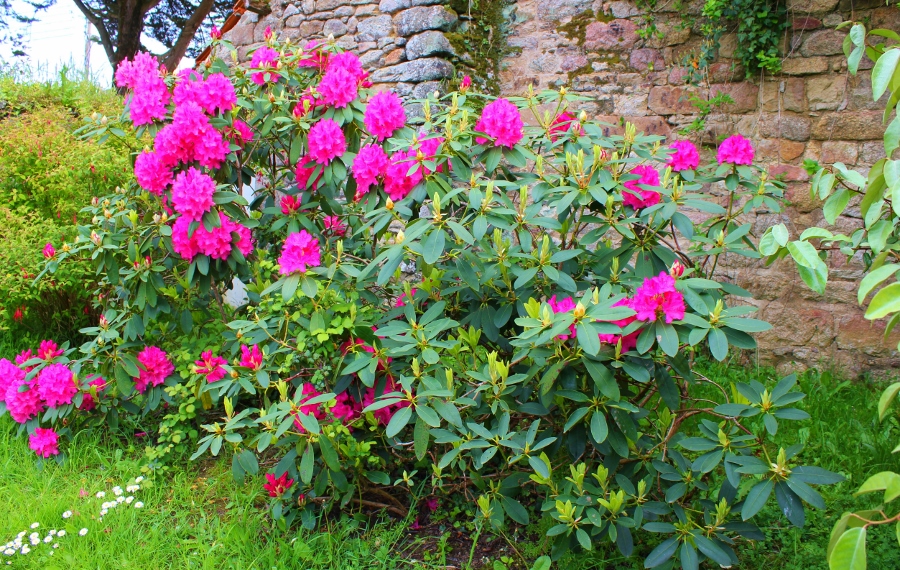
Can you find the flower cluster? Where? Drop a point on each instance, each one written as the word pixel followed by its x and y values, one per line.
pixel 210 366
pixel 154 367
pixel 251 358
pixel 384 115
pixel 735 150
pixel 658 298
pixel 150 95
pixel 216 243
pixel 501 121
pixel 685 156
pixel 638 196
pixel 300 252
pixel 563 306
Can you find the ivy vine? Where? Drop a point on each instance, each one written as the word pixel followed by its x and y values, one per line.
pixel 760 27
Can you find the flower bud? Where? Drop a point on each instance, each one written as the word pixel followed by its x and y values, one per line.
pixel 95 201
pixel 579 311
pixel 677 270
pixel 400 237
pixel 389 204
pixel 104 324
pixel 104 120
pixel 66 247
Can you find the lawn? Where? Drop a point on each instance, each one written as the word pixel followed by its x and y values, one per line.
pixel 195 516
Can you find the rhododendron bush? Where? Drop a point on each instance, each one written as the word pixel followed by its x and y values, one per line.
pixel 501 313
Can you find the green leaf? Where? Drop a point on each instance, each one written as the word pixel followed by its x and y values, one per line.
pixel 433 246
pixel 398 422
pixel 428 415
pixel 835 204
pixel 756 498
pixel 420 439
pixel 781 234
pixel 306 465
pixel 718 344
pixel 892 137
pixel 816 279
pixel 883 71
pixel 661 553
pixel 884 303
pixel 248 461
pixel 290 287
pixel 542 563
pixel 587 338
pixel 667 338
pixel 850 550
pixel 308 286
pixel 515 510
pixel 878 482
pixel 874 278
pixel 599 427
pixel 887 398
pixel 879 234
pixel 804 254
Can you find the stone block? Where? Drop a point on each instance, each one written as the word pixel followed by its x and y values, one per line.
pixel 826 93
pixel 555 10
pixel 785 125
pixel 725 71
pixel 334 27
pixel 290 11
pixel 800 199
pixel 849 125
pixel 645 59
pixel 427 69
pixel 428 44
pixel 391 6
pixel 242 33
pixel 823 42
pixel 781 149
pixel 395 56
pixel 373 58
pixel 615 35
pixel 745 96
pixel 804 65
pixel 573 61
pixel 839 151
pixel 377 27
pixel 679 75
pixel 419 19
pixel 312 28
pixel 788 173
pixel 344 11
pixel 294 21
pixel 805 23
pixel 728 45
pixel 811 6
pixel 667 100
pixel 623 10
pixel 426 89
pixel 784 94
pixel 322 5
pixel 871 152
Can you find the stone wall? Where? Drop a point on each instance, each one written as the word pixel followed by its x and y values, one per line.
pixel 812 110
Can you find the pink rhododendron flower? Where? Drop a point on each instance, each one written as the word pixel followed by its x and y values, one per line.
pixel 300 252
pixel 735 150
pixel 639 198
pixel 309 392
pixel 502 122
pixel 211 149
pixel 210 366
pixel 24 357
pixel 685 157
pixel 149 92
pixel 215 34
pixel 44 442
pixel 335 225
pixel 349 62
pixel 215 243
pixel 87 401
pixel 190 137
pixel 658 298
pixel 338 87
pixel 432 504
pixel 304 173
pixel 49 251
pixel 677 270
pixel 9 374
pixel 48 350
pixel 251 358
pixel 264 58
pixel 192 194
pixel 465 83
pixel 629 341
pixel 241 133
pixel 563 123
pixel 563 306
pixel 289 204
pixel 184 245
pixel 326 141
pixel 369 165
pixel 317 58
pixel 345 409
pixel 384 115
pixel 56 385
pixel 277 486
pixel 214 94
pixel 429 149
pixel 24 405
pixel 397 182
pixel 401 300
pixel 153 367
pixel 384 415
pixel 151 173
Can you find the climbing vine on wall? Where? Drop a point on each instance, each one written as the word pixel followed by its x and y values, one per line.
pixel 760 27
pixel 480 38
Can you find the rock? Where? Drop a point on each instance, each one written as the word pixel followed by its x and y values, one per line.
pixel 344 11
pixel 366 10
pixel 823 42
pixel 839 151
pixel 804 65
pixel 334 27
pixel 424 90
pixel 679 75
pixel 665 100
pixel 371 58
pixel 385 42
pixel 849 125
pixel 860 95
pixel 785 94
pixel 832 20
pixel 322 5
pixel 671 33
pixel 242 33
pixel 826 93
pixel 427 44
pixel 725 71
pixel 784 125
pixel 727 45
pixel 811 6
pixel 783 148
pixel 616 35
pixel 427 69
pixel 309 6
pixel 395 56
pixel 885 17
pixel 571 62
pixel 290 11
pixel 307 29
pixel 391 6
pixel 800 199
pixel 623 10
pixel 294 22
pixel 647 59
pixel 745 96
pixel 415 20
pixel 788 172
pixel 377 27
pixel 871 152
pixel 556 10
pixel 805 23
pixel 363 47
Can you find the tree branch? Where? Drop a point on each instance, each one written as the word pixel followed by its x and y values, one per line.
pixel 172 58
pixel 101 30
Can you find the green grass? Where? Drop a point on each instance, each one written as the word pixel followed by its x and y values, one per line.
pixel 197 517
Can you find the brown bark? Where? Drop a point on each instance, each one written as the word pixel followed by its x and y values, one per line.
pixel 172 58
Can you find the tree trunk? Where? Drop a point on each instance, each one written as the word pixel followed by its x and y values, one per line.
pixel 130 26
pixel 173 57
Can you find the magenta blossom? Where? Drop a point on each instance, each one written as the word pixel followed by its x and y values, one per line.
pixel 153 368
pixel 384 115
pixel 684 157
pixel 658 298
pixel 56 385
pixel 277 486
pixel 49 251
pixel 326 141
pixel 44 442
pixel 735 150
pixel 210 366
pixel 640 198
pixel 629 341
pixel 335 225
pixel 300 252
pixel 251 357
pixel 264 58
pixel 368 167
pixel 502 122
pixel 563 306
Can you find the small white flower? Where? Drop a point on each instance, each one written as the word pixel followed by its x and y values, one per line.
pixel 139 479
pixel 117 490
pixel 34 536
pixel 9 552
pixel 83 532
pixel 35 541
pixel 25 550
pixel 67 514
pixel 103 512
pixel 139 505
pixel 21 534
pixel 100 494
pixel 61 533
pixel 48 539
pixel 129 499
pixel 56 545
pixel 133 488
pixel 120 499
pixel 53 532
pixel 51 553
pixel 35 525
